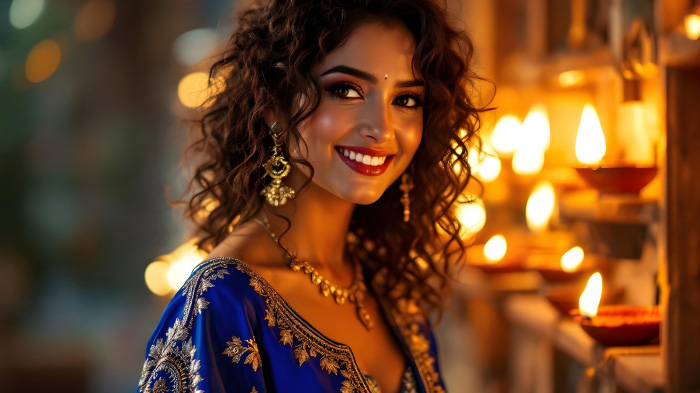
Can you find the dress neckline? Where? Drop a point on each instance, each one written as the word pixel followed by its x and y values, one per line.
pixel 344 347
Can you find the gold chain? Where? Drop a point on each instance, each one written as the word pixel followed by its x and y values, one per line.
pixel 353 294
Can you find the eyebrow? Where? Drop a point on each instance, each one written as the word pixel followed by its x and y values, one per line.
pixel 369 77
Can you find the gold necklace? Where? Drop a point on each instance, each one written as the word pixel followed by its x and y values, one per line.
pixel 353 294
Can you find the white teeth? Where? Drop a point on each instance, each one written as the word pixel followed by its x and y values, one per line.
pixel 363 158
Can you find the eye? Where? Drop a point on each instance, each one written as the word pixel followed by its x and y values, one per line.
pixel 408 101
pixel 344 91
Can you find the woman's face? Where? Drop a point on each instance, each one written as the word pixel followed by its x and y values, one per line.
pixel 370 121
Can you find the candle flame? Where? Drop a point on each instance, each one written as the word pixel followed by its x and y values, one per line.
pixel 528 160
pixel 590 140
pixel 572 259
pixel 505 137
pixel 540 206
pixel 495 249
pixel 590 298
pixel 692 26
pixel 472 215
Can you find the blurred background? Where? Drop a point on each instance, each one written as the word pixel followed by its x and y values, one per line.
pixel 586 167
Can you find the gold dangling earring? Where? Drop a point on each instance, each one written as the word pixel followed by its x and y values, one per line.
pixel 406 186
pixel 276 193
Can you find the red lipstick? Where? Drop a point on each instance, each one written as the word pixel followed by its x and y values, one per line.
pixel 365 169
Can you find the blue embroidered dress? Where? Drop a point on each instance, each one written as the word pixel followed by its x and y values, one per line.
pixel 228 330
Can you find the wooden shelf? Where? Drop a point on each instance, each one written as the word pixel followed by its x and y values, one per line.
pixel 589 205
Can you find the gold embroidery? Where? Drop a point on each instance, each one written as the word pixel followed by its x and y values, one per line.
pixel 254 390
pixel 160 386
pixel 236 349
pixel 174 357
pixel 334 357
pixel 420 348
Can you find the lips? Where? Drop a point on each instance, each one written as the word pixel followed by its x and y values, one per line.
pixel 365 169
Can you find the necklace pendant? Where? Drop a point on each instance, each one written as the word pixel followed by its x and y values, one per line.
pixel 340 297
pixel 325 289
pixel 364 317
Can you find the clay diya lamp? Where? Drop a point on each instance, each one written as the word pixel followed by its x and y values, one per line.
pixel 615 325
pixel 620 326
pixel 624 179
pixel 611 177
pixel 566 298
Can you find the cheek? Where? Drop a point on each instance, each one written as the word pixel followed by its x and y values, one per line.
pixel 323 128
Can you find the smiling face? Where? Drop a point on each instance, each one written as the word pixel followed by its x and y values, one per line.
pixel 370 120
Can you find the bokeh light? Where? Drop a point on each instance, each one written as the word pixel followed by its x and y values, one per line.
pixel 23 13
pixel 692 26
pixel 540 206
pixel 472 215
pixel 156 278
pixel 94 19
pixel 42 61
pixel 194 89
pixel 195 45
pixel 505 137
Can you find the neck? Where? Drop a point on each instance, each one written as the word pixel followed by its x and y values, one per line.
pixel 319 224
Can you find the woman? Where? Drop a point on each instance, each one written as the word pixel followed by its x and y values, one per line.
pixel 324 195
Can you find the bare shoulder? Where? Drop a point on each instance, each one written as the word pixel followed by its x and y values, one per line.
pixel 250 244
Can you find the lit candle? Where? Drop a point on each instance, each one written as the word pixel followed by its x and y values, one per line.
pixel 590 140
pixel 590 298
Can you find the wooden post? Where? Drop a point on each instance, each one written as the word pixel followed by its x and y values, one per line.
pixel 682 330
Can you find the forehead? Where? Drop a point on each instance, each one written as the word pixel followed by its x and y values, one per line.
pixel 376 47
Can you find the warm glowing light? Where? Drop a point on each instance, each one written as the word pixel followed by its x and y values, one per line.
pixel 540 206
pixel 571 78
pixel 194 89
pixel 94 19
pixel 590 298
pixel 195 45
pixel 692 26
pixel 535 128
pixel 23 13
pixel 495 249
pixel 471 215
pixel 590 140
pixel 528 160
pixel 485 164
pixel 572 259
pixel 183 260
pixel 42 61
pixel 505 137
pixel 156 278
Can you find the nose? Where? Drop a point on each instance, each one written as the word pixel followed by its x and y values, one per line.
pixel 378 124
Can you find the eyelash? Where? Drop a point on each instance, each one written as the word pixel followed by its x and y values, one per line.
pixel 351 86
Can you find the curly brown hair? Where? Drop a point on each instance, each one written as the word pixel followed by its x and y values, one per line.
pixel 268 63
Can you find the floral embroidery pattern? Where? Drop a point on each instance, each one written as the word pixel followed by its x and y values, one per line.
pixel 236 349
pixel 307 343
pixel 174 357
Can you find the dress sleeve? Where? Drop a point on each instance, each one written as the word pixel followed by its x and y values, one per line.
pixel 205 341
